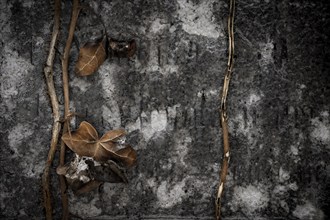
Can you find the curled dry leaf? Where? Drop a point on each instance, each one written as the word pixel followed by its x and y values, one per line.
pixel 84 174
pixel 91 57
pixel 122 48
pixel 109 171
pixel 87 187
pixel 85 142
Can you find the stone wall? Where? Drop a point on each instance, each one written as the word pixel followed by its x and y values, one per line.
pixel 167 98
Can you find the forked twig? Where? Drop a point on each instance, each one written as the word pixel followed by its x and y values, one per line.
pixel 223 110
pixel 65 78
pixel 49 75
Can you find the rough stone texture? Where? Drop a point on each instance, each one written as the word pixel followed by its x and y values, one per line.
pixel 167 98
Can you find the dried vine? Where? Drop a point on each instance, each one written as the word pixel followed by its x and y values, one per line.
pixel 67 114
pixel 106 148
pixel 223 109
pixel 48 71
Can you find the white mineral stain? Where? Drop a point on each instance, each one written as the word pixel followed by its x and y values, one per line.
pixel 39 42
pixel 164 67
pixel 250 198
pixel 172 110
pixel 308 211
pixel 198 18
pixel 284 205
pixel 154 124
pixel 14 70
pixel 283 175
pixel 32 167
pixel 294 150
pixel 293 186
pixel 321 129
pixel 158 120
pixel 112 115
pixel 134 125
pixel 158 25
pixel 80 83
pixel 27 4
pixel 151 182
pixel 110 111
pixel 169 195
pixel 86 210
pixel 266 51
pixel 244 123
pixel 244 127
pixel 253 99
pixel 18 135
pixel 280 190
pixel 181 147
pixel 208 93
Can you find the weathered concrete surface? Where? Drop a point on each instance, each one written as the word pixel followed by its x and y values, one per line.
pixel 167 98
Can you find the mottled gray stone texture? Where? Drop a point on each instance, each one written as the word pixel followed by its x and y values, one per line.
pixel 167 98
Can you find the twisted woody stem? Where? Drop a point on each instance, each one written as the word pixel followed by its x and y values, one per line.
pixel 65 77
pixel 49 76
pixel 223 110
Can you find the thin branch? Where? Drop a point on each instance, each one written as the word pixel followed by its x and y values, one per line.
pixel 48 71
pixel 65 76
pixel 223 110
pixel 66 54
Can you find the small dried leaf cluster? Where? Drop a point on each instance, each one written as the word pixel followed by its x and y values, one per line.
pixel 85 142
pixel 97 159
pixel 84 174
pixel 93 54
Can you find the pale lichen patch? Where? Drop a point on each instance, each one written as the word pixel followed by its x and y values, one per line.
pixel 198 18
pixel 308 211
pixel 320 129
pixel 158 25
pixel 110 111
pixel 14 70
pixel 249 198
pixel 169 195
pixel 18 135
pixel 88 210
pixel 153 123
pixel 284 175
pixel 181 149
pixel 80 83
pixel 266 51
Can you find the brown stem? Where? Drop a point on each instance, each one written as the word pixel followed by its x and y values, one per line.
pixel 48 71
pixel 65 77
pixel 223 110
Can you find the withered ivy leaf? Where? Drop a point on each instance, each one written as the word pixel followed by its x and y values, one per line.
pixel 122 48
pixel 109 171
pixel 85 142
pixel 91 57
pixel 87 187
pixel 84 174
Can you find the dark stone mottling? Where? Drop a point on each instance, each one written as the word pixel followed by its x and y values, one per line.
pixel 167 97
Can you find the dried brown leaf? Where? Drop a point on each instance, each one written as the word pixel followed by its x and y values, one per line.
pixel 85 142
pixel 127 156
pixel 109 171
pixel 86 188
pixel 91 57
pixel 113 135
